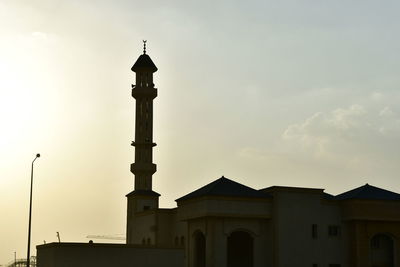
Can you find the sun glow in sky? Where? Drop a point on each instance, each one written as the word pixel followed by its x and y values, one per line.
pixel 299 93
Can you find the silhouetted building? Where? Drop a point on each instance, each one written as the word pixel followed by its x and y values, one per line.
pixel 228 224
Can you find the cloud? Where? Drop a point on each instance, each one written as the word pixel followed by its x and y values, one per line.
pixel 39 35
pixel 346 133
pixel 38 38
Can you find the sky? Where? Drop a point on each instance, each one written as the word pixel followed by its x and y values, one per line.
pixel 295 92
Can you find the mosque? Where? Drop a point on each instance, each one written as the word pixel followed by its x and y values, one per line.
pixel 228 224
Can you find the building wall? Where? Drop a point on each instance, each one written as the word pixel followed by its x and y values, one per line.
pixel 143 227
pixel 294 214
pixel 259 229
pixel 107 255
pixel 361 233
pixel 161 225
pixel 280 228
pixel 365 219
pixel 217 230
pixel 171 231
pixel 141 221
pixel 166 227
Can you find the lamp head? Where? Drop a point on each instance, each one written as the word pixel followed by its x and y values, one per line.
pixel 38 155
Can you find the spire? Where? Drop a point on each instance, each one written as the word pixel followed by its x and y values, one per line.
pixel 144 46
pixel 144 62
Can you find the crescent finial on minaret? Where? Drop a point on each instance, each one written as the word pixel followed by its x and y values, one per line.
pixel 144 46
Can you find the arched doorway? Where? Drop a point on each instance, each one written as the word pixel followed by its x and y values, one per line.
pixel 240 249
pixel 382 251
pixel 199 249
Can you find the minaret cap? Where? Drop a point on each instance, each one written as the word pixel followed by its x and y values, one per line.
pixel 144 62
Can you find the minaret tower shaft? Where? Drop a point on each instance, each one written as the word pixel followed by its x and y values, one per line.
pixel 142 198
pixel 144 92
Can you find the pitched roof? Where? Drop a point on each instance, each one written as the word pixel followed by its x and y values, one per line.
pixel 225 187
pixel 368 192
pixel 145 63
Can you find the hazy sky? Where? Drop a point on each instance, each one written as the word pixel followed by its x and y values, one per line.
pixel 299 93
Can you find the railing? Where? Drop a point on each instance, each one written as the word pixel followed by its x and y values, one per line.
pixel 22 263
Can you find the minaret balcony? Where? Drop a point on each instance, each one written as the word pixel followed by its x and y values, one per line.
pixel 143 167
pixel 144 92
pixel 143 144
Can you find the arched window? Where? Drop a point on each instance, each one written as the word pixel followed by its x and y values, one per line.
pixel 182 241
pixel 176 241
pixel 382 250
pixel 240 249
pixel 148 241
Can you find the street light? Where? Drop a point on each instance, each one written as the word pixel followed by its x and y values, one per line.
pixel 30 215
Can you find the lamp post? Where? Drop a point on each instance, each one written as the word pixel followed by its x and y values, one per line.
pixel 30 215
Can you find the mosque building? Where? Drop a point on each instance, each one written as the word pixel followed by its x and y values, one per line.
pixel 228 224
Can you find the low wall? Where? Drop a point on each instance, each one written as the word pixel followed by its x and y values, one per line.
pixel 107 255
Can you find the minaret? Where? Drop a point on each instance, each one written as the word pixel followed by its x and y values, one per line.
pixel 144 93
pixel 142 198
